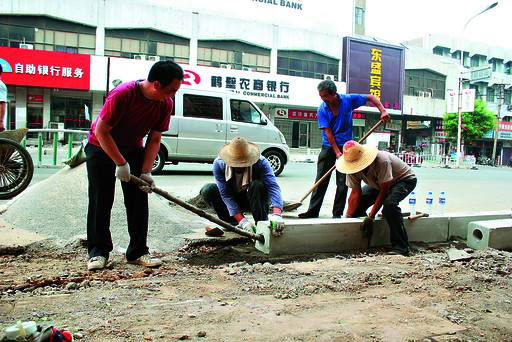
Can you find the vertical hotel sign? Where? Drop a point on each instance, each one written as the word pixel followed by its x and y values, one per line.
pixel 374 68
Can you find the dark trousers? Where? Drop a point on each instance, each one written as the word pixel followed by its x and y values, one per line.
pixel 390 210
pixel 326 160
pixel 255 200
pixel 102 181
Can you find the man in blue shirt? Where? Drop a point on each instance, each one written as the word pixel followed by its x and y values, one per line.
pixel 244 181
pixel 335 120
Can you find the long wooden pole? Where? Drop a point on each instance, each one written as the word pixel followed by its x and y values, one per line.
pixel 200 212
pixel 328 173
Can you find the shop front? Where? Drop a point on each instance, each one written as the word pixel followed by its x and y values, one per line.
pixel 300 127
pixel 46 89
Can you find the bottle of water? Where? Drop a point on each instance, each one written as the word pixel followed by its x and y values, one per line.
pixel 429 203
pixel 412 203
pixel 442 203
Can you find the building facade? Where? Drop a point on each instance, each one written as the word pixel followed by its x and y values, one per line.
pixel 488 70
pixel 276 66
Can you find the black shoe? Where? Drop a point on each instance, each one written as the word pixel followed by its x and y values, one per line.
pixel 307 215
pixel 399 251
pixel 336 216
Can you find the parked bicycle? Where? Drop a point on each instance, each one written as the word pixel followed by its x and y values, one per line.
pixel 16 166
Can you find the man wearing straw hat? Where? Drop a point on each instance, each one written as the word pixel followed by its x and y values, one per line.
pixel 389 180
pixel 244 181
pixel 335 120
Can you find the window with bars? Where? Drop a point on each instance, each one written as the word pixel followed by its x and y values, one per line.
pixel 306 64
pixel 135 48
pixel 46 39
pixel 425 83
pixel 233 59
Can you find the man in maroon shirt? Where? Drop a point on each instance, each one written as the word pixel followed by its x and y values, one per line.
pixel 131 111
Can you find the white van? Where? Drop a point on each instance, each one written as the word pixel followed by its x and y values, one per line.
pixel 203 121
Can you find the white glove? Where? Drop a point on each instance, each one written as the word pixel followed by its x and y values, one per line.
pixel 276 224
pixel 247 225
pixel 148 179
pixel 123 172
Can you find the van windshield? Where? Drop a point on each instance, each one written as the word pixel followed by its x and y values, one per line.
pixel 244 111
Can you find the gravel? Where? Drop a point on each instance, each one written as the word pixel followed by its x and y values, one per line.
pixel 57 208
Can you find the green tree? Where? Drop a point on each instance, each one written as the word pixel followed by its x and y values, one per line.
pixel 474 124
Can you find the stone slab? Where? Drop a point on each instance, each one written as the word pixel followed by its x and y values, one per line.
pixel 490 234
pixel 458 226
pixel 340 235
pixel 425 229
pixel 313 236
pixel 455 254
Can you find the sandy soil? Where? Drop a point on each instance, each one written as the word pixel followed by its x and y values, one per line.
pixel 233 293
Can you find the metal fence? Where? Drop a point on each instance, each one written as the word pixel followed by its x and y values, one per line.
pixel 430 160
pixel 52 137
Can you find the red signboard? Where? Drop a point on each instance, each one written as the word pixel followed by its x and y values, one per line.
pixel 312 114
pixel 302 114
pixel 34 98
pixel 34 68
pixel 505 126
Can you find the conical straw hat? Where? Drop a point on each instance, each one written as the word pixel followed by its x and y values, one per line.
pixel 240 153
pixel 356 157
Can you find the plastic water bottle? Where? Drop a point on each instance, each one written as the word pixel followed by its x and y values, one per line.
pixel 442 203
pixel 429 203
pixel 412 203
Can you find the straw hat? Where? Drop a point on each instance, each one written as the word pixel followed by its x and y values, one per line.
pixel 356 157
pixel 240 153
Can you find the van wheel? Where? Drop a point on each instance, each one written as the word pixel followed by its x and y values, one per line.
pixel 159 162
pixel 276 161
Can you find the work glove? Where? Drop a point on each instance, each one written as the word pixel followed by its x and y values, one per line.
pixel 367 227
pixel 247 225
pixel 123 172
pixel 146 177
pixel 276 224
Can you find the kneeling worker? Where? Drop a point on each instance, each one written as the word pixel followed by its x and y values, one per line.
pixel 389 181
pixel 244 181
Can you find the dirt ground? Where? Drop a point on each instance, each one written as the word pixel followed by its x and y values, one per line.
pixel 234 293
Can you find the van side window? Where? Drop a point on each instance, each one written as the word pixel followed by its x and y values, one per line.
pixel 206 107
pixel 243 111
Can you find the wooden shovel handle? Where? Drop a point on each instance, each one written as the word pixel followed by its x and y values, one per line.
pixel 328 173
pixel 257 237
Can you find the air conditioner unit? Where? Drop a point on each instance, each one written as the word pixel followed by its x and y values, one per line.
pixel 153 58
pixel 225 66
pixel 247 69
pixel 139 57
pixel 329 77
pixel 422 93
pixel 26 46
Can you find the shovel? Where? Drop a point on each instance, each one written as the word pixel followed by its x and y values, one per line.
pixel 139 182
pixel 293 206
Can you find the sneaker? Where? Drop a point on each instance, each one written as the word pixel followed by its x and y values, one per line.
pixel 147 260
pixel 398 251
pixel 307 215
pixel 96 263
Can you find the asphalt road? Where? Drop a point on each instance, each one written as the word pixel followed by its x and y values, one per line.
pixel 466 190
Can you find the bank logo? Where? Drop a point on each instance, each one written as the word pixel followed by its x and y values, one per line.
pixel 191 78
pixel 6 67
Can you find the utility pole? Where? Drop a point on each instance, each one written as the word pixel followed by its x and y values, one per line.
pixel 501 96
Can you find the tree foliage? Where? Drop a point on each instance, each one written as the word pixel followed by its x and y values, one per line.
pixel 474 124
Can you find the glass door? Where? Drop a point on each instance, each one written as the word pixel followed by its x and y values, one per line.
pixel 303 134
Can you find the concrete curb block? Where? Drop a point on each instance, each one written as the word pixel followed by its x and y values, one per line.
pixel 458 226
pixel 490 234
pixel 340 235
